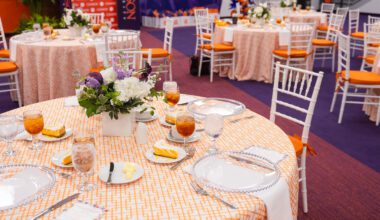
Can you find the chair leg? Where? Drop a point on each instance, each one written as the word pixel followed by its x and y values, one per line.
pixel 303 181
pixel 333 60
pixel 196 46
pixel 170 70
pixel 233 65
pixel 212 66
pixel 345 91
pixel 378 114
pixel 18 91
pixel 200 64
pixel 362 67
pixel 334 97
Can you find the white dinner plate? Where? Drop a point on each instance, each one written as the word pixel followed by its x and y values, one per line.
pixel 184 99
pixel 45 138
pixel 164 123
pixel 195 137
pixel 58 157
pixel 165 160
pixel 152 118
pixel 118 176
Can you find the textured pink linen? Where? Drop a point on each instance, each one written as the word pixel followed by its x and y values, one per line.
pixel 371 110
pixel 253 52
pixel 308 17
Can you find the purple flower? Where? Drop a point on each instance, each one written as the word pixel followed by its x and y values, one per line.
pixel 96 76
pixel 92 82
pixel 121 74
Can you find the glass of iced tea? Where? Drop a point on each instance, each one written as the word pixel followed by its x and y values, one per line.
pixel 33 124
pixel 172 94
pixel 96 28
pixel 185 125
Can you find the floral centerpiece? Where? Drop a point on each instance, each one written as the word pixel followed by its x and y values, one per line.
pixel 75 20
pixel 285 3
pixel 260 12
pixel 114 92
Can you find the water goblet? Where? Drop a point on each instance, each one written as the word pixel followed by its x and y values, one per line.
pixel 9 128
pixel 214 127
pixel 33 124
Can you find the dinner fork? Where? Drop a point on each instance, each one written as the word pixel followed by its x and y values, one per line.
pixel 190 151
pixel 62 174
pixel 199 190
pixel 243 118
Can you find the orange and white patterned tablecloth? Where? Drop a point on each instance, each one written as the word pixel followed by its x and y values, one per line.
pixel 160 193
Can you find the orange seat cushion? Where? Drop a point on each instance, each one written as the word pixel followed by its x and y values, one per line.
pixel 297 144
pixel 294 53
pixel 156 52
pixel 4 53
pixel 218 47
pixel 206 36
pixel 370 59
pixel 362 77
pixel 96 69
pixel 358 35
pixel 6 67
pixel 322 42
pixel 374 44
pixel 322 27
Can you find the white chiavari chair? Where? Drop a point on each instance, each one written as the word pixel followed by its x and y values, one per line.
pixel 371 44
pixel 127 40
pixel 326 48
pixel 200 14
pixel 4 52
pixel 328 9
pixel 357 37
pixel 220 55
pixel 287 94
pixel 373 20
pixel 353 83
pixel 163 56
pixel 131 58
pixel 10 70
pixel 96 18
pixel 300 48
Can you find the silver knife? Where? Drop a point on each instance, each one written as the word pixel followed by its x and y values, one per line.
pixel 240 159
pixel 56 205
pixel 109 180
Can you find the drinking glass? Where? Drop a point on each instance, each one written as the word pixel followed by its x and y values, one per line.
pixel 83 157
pixel 213 127
pixel 9 128
pixel 172 94
pixel 96 28
pixel 104 28
pixel 185 125
pixel 33 124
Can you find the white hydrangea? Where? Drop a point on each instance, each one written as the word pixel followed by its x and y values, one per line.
pixel 259 11
pixel 109 75
pixel 132 87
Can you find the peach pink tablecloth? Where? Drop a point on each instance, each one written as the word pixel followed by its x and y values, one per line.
pixel 254 48
pixel 160 193
pixel 308 17
pixel 371 110
pixel 46 67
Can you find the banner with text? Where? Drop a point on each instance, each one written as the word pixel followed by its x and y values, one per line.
pixel 129 16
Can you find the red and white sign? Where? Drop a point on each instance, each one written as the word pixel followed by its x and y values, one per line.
pixel 108 7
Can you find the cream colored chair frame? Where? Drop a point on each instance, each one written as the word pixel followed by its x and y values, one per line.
pixel 305 87
pixel 353 26
pixel 13 84
pixel 134 57
pixel 96 18
pixel 372 35
pixel 3 40
pixel 128 40
pixel 198 15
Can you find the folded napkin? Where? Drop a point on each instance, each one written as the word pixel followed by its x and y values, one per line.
pixel 71 101
pixel 82 211
pixel 228 34
pixel 276 198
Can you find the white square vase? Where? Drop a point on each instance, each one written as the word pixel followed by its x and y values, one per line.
pixel 124 126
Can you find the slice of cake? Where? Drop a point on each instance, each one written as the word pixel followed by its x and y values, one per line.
pixel 170 117
pixel 160 149
pixel 56 132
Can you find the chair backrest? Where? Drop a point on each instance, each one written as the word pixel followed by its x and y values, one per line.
pixel 327 8
pixel 206 27
pixel 127 40
pixel 131 58
pixel 96 18
pixel 301 36
pixel 199 14
pixel 373 20
pixel 168 37
pixel 3 40
pixel 295 89
pixel 334 27
pixel 371 39
pixel 344 55
pixel 353 22
pixel 343 12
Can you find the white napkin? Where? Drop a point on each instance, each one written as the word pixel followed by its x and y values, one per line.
pixel 228 34
pixel 71 101
pixel 272 156
pixel 21 186
pixel 81 211
pixel 284 37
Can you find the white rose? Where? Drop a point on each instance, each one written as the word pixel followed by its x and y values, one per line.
pixel 108 75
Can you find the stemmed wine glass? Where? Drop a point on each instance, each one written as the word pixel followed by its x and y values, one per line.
pixel 96 28
pixel 172 94
pixel 9 128
pixel 213 127
pixel 185 125
pixel 34 124
pixel 83 157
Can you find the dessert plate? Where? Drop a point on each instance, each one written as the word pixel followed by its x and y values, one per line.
pixel 184 99
pixel 118 176
pixel 45 138
pixel 164 123
pixel 58 157
pixel 152 118
pixel 193 138
pixel 165 160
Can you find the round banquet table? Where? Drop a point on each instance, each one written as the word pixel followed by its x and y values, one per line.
pixel 160 193
pixel 254 48
pixel 371 110
pixel 46 67
pixel 311 16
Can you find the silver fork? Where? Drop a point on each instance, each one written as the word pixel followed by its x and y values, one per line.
pixel 201 191
pixel 62 174
pixel 190 151
pixel 243 118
